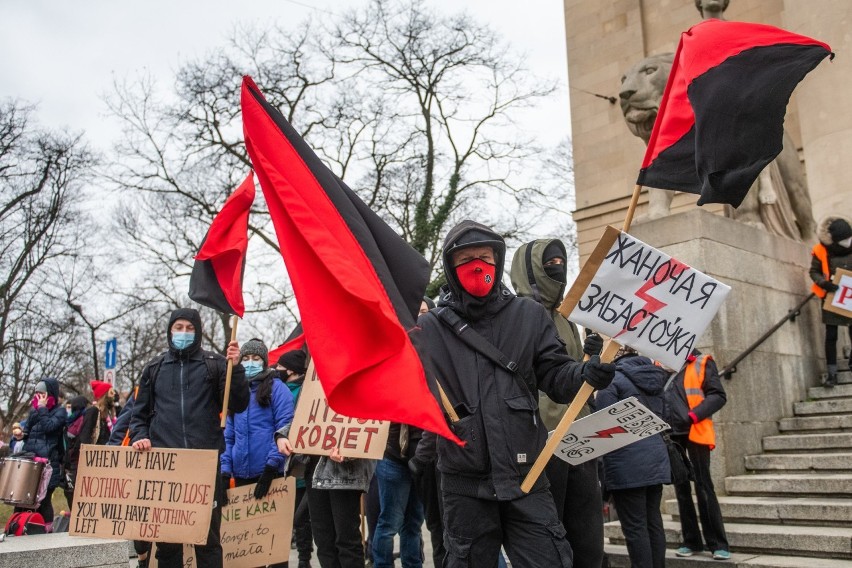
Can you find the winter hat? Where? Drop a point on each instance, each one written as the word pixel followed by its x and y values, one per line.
pixel 839 230
pixel 41 386
pixel 554 249
pixel 99 388
pixel 294 361
pixel 255 346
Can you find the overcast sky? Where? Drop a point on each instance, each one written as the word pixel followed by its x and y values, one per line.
pixel 64 55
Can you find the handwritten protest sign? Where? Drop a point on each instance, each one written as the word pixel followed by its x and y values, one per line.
pixel 160 495
pixel 643 298
pixel 257 532
pixel 316 428
pixel 840 302
pixel 614 427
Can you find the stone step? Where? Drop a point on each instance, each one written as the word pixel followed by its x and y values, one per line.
pixel 808 442
pixel 617 556
pixel 832 422
pixel 829 406
pixel 782 540
pixel 842 390
pixel 800 462
pixel 780 510
pixel 801 484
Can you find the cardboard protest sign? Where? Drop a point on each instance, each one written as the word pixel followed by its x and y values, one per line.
pixel 257 532
pixel 614 427
pixel 840 302
pixel 316 428
pixel 643 298
pixel 159 495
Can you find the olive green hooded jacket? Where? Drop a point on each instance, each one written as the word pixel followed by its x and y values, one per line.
pixel 528 271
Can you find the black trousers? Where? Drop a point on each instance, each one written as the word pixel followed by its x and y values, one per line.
pixel 579 504
pixel 642 524
pixel 336 520
pixel 302 526
pixel 708 505
pixel 428 487
pixel 170 555
pixel 527 527
pixel 240 482
pixel 831 344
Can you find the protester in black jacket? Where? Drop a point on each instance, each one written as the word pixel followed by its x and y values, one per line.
pixel 178 405
pixel 498 419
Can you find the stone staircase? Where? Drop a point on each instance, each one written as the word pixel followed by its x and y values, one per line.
pixel 794 507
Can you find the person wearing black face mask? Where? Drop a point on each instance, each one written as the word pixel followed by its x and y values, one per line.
pixel 492 405
pixel 539 272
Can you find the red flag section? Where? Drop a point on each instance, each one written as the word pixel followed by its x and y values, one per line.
pixel 721 119
pixel 296 340
pixel 217 275
pixel 357 283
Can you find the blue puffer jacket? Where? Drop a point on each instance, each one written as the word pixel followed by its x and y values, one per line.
pixel 44 432
pixel 250 434
pixel 645 462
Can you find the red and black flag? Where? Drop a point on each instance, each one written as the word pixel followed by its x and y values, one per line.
pixel 296 340
pixel 217 275
pixel 358 284
pixel 721 119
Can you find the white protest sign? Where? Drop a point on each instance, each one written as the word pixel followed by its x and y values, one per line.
pixel 316 428
pixel 614 427
pixel 643 298
pixel 840 302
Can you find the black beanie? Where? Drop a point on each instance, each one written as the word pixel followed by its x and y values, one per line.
pixel 429 303
pixel 839 230
pixel 294 361
pixel 554 249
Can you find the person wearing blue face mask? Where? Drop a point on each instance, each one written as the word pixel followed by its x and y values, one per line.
pixel 251 454
pixel 178 402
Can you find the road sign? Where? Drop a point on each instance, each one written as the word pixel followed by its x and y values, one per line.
pixel 109 353
pixel 109 376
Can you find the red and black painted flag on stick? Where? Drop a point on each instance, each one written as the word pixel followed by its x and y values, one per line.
pixel 721 119
pixel 357 283
pixel 296 340
pixel 217 275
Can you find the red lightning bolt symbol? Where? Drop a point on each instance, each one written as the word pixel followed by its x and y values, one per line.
pixel 608 432
pixel 652 304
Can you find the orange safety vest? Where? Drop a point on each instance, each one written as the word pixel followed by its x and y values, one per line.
pixel 703 432
pixel 821 253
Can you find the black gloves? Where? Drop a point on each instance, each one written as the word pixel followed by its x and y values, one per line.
pixel 226 484
pixel 416 466
pixel 593 344
pixel 828 286
pixel 598 374
pixel 262 487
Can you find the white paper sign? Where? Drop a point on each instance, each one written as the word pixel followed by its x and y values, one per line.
pixel 614 427
pixel 644 298
pixel 843 297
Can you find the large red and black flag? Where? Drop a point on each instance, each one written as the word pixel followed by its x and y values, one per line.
pixel 296 340
pixel 358 284
pixel 217 275
pixel 721 119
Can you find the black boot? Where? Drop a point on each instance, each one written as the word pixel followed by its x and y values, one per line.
pixel 831 381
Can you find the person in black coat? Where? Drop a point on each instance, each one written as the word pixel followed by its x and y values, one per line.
pixel 496 409
pixel 635 474
pixel 43 436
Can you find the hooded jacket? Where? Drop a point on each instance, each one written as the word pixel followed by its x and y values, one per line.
pixel 178 403
pixel 44 432
pixel 530 280
pixel 498 415
pixel 250 434
pixel 838 257
pixel 645 462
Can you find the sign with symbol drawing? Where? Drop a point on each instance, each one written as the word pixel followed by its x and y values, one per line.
pixel 110 353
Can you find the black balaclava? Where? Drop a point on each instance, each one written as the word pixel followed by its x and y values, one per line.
pixel 467 234
pixel 839 230
pixel 193 317
pixel 558 272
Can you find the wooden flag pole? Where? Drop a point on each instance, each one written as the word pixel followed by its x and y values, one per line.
pixel 565 423
pixel 634 201
pixel 230 370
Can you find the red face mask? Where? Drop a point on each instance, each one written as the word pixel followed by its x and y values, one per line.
pixel 476 277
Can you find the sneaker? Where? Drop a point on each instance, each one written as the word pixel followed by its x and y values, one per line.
pixel 684 551
pixel 831 381
pixel 721 555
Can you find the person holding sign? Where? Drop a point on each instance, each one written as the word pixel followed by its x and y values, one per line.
pixel 635 474
pixel 539 272
pixel 177 406
pixel 832 252
pixel 488 353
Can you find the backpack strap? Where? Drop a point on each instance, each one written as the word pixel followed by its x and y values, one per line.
pixel 475 341
pixel 212 362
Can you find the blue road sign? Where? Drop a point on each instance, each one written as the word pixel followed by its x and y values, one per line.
pixel 109 353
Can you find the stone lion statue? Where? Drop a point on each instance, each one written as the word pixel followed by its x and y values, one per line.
pixel 780 203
